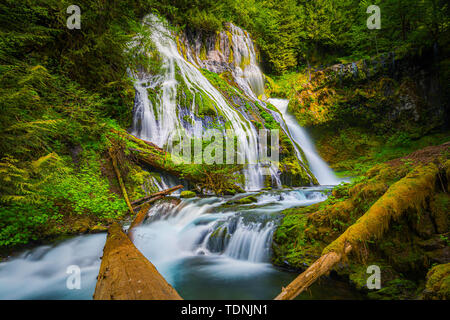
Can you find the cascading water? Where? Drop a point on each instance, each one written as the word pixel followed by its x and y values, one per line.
pixel 205 248
pixel 232 50
pixel 210 239
pixel 209 248
pixel 319 168
pixel 156 118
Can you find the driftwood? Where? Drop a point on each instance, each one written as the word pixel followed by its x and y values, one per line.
pixel 160 193
pixel 125 274
pixel 122 185
pixel 409 193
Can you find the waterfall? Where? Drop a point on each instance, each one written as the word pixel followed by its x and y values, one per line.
pixel 200 231
pixel 157 115
pixel 209 227
pixel 231 50
pixel 251 242
pixel 239 239
pixel 197 245
pixel 318 167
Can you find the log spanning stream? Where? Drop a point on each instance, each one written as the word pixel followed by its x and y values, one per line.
pixel 204 247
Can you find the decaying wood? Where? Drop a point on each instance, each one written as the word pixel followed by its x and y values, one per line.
pixel 409 193
pixel 125 274
pixel 156 161
pixel 320 267
pixel 119 177
pixel 151 200
pixel 163 193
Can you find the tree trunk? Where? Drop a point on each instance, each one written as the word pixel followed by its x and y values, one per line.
pixel 140 216
pixel 125 274
pixel 119 178
pixel 162 193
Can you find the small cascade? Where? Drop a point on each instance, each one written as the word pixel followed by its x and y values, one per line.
pixel 251 241
pixel 205 247
pixel 318 167
pixel 239 239
pixel 209 227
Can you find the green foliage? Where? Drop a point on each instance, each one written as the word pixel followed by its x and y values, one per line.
pixel 187 194
pixel 86 191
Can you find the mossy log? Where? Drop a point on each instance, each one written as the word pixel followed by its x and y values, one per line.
pixel 119 178
pixel 410 193
pixel 125 274
pixel 153 195
pixel 158 162
pixel 320 267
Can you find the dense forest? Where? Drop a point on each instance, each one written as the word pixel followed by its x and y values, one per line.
pixel 375 102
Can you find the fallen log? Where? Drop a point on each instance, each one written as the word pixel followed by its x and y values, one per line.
pixel 411 192
pixel 158 161
pixel 119 178
pixel 163 193
pixel 320 267
pixel 125 274
pixel 151 200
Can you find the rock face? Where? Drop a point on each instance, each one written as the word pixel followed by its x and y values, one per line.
pixel 231 50
pixel 183 98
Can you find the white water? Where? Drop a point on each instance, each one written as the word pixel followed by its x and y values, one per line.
pixel 179 240
pixel 158 121
pixel 246 72
pixel 41 273
pixel 320 169
pixel 221 242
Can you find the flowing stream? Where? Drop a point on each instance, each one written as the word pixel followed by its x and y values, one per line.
pixel 207 248
pixel 318 167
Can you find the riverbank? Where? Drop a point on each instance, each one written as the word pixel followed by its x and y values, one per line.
pixel 412 245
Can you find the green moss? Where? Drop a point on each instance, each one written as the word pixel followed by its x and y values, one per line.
pixel 397 289
pixel 187 194
pixel 247 200
pixel 440 207
pixel 410 192
pixel 438 283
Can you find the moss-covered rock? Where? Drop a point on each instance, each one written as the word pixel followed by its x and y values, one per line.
pixel 187 194
pixel 438 283
pixel 247 200
pixel 398 205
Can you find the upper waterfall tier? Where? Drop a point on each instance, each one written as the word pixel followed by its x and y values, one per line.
pixel 231 50
pixel 178 100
